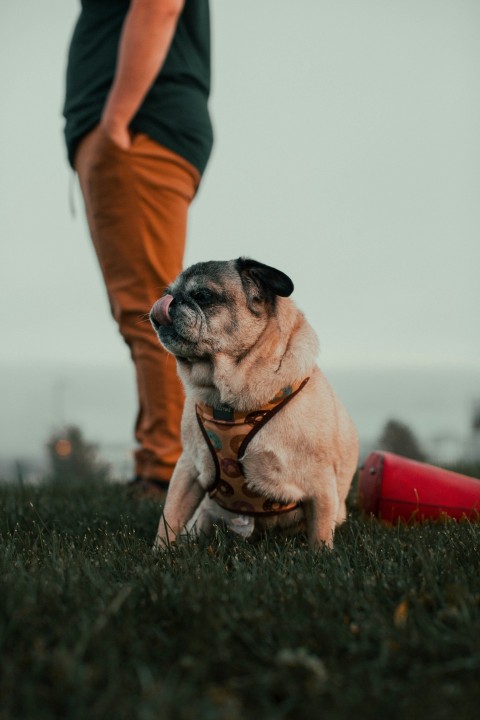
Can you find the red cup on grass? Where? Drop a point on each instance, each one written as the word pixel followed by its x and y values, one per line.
pixel 395 488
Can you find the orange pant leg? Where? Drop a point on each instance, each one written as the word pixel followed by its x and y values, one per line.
pixel 136 202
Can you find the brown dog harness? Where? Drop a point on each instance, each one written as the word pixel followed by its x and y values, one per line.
pixel 227 434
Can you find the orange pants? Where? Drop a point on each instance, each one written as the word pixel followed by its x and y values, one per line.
pixel 136 202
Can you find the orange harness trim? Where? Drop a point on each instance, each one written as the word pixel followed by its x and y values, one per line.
pixel 227 434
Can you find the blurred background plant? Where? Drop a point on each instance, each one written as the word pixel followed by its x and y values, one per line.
pixel 399 438
pixel 73 460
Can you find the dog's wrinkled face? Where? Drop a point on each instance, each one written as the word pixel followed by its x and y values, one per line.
pixel 218 307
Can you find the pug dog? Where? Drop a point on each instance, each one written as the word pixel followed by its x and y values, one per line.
pixel 266 442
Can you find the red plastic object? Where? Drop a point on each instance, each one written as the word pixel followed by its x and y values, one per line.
pixel 394 488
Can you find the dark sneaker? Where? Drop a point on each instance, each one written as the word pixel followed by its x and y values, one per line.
pixel 141 488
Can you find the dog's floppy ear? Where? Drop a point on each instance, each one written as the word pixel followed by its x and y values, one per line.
pixel 267 279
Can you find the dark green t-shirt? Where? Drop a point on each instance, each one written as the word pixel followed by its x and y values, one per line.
pixel 175 110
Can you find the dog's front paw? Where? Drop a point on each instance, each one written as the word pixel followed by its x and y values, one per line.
pixel 166 537
pixel 201 521
pixel 161 544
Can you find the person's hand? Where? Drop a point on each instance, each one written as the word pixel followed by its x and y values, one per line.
pixel 117 133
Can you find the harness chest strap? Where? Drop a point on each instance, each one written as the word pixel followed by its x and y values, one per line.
pixel 227 434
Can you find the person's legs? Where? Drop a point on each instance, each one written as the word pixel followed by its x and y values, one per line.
pixel 136 202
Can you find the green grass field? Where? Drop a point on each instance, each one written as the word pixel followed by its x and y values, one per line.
pixel 94 625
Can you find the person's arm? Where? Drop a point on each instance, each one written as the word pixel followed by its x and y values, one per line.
pixel 146 36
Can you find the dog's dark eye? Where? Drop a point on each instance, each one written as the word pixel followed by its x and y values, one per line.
pixel 203 297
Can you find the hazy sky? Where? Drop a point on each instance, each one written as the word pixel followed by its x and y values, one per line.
pixel 347 153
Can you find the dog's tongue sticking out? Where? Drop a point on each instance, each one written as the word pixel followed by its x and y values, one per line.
pixel 160 310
